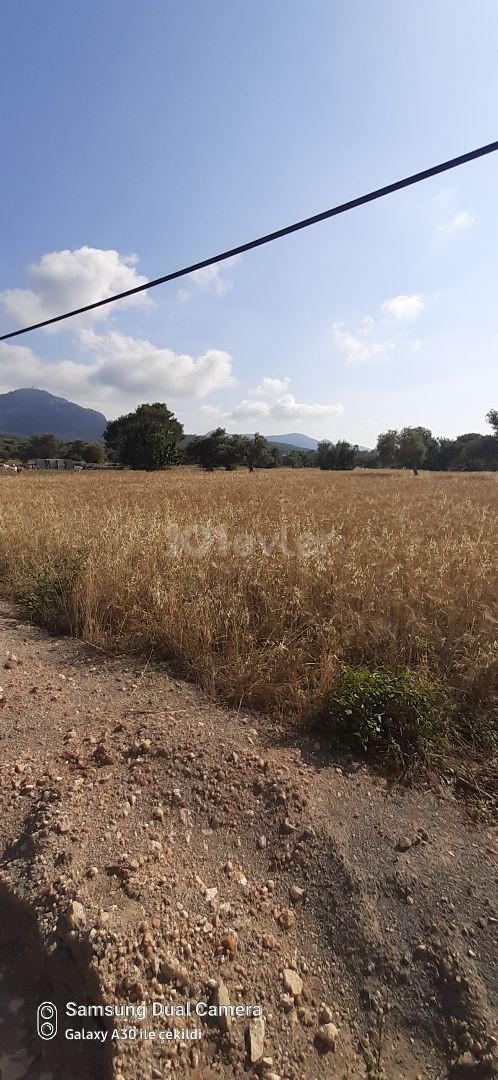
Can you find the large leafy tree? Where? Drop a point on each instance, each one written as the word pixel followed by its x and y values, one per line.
pixel 387 448
pixel 412 448
pixel 258 453
pixel 145 439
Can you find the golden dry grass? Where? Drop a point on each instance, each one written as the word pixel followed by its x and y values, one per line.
pixel 378 568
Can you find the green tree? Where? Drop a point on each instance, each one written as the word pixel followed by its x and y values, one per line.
pixel 274 458
pixel 258 453
pixel 93 453
pixel 45 446
pixel 479 454
pixel 90 452
pixel 387 449
pixel 210 451
pixel 412 448
pixel 492 419
pixel 325 455
pixel 367 459
pixel 295 459
pixel 235 451
pixel 145 439
pixel 341 456
pixel 345 455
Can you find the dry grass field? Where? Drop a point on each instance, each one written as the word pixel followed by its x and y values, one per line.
pixel 263 587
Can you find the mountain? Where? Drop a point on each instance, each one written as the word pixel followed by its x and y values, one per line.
pixel 295 440
pixel 36 412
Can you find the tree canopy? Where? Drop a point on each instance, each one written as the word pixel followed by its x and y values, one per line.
pixel 145 439
pixel 417 447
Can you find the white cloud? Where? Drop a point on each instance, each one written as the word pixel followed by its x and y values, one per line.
pixel 137 365
pixel 270 387
pixel 461 221
pixel 286 408
pixel 63 280
pixel 20 366
pixel 247 409
pixel 118 372
pixel 356 348
pixel 404 307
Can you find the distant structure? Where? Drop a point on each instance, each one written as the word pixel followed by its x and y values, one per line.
pixel 57 463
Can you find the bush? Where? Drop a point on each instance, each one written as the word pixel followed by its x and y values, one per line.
pixel 386 713
pixel 47 597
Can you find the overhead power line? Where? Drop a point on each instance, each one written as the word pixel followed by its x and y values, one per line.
pixel 360 200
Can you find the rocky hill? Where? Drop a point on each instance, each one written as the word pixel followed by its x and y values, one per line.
pixel 28 412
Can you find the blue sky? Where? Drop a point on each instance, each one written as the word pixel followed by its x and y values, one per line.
pixel 140 137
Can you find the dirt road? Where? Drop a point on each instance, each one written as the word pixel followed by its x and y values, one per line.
pixel 155 847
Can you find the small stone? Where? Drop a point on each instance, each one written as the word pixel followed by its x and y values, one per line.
pixel 168 969
pixel 210 894
pixel 158 813
pixel 327 1036
pixel 287 826
pixel 287 918
pixel 325 1015
pixel 404 843
pixel 287 1002
pixel 222 997
pixel 76 917
pixel 293 982
pixel 420 951
pixel 262 842
pixel 296 893
pixel 229 942
pixel 256 1038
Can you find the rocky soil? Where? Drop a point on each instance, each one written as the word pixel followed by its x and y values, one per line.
pixel 155 847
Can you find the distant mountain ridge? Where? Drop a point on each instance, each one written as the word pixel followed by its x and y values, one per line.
pixel 28 412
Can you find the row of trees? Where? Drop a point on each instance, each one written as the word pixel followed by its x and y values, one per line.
pixel 417 448
pixel 48 446
pixel 151 438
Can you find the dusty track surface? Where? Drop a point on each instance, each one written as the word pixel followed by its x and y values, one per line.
pixel 155 847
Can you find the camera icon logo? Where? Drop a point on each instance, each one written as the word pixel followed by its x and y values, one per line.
pixel 46 1020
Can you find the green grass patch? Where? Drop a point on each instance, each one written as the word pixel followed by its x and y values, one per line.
pixel 47 596
pixel 386 714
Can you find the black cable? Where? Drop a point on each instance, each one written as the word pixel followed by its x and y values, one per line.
pixel 416 178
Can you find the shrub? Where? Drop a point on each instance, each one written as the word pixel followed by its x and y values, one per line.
pixel 386 713
pixel 47 597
